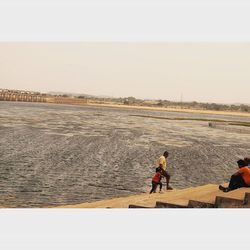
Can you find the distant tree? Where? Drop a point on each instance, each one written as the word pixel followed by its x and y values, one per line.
pixel 129 100
pixel 244 108
pixel 160 103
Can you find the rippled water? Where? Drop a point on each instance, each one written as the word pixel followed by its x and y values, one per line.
pixel 62 154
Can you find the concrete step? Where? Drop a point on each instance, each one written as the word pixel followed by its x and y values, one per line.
pixel 247 199
pixel 194 197
pixel 231 202
pixel 207 196
pixel 226 202
pixel 177 204
pixel 136 206
pixel 176 197
pixel 199 204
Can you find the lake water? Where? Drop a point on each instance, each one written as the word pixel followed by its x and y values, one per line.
pixel 61 154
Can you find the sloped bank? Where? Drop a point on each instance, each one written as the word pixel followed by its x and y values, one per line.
pixel 206 196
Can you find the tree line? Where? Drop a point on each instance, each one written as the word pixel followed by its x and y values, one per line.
pixel 173 104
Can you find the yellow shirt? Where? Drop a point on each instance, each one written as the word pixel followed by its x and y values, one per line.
pixel 163 161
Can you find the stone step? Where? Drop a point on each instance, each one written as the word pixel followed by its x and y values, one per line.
pixel 203 197
pixel 137 206
pixel 174 196
pixel 199 204
pixel 178 204
pixel 226 202
pixel 194 197
pixel 247 199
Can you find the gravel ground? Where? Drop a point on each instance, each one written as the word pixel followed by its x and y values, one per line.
pixel 61 154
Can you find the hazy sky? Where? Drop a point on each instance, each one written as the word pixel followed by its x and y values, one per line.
pixel 208 72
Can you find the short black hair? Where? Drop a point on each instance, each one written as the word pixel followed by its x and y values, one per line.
pixel 247 160
pixel 158 169
pixel 241 163
pixel 166 153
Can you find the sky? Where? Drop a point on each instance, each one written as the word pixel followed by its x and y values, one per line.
pixel 189 50
pixel 187 71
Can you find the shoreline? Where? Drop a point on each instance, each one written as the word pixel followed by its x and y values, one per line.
pixel 161 109
pixel 178 110
pixel 203 196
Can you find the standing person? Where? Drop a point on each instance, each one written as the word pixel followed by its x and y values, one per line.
pixel 156 180
pixel 239 179
pixel 162 163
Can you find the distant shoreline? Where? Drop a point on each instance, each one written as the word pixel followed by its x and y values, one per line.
pixel 196 111
pixel 167 106
pixel 124 106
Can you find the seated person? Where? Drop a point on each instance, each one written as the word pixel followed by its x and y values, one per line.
pixel 240 179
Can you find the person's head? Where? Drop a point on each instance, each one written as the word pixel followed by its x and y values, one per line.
pixel 241 163
pixel 165 154
pixel 158 170
pixel 247 160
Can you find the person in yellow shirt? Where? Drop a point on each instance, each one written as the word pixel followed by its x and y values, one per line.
pixel 162 164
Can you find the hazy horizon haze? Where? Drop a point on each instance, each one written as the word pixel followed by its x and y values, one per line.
pixel 191 71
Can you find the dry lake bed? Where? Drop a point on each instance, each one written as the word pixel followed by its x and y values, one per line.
pixel 61 154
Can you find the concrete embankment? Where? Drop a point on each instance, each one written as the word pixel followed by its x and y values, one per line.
pixel 207 196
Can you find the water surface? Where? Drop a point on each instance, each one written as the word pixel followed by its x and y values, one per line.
pixel 62 154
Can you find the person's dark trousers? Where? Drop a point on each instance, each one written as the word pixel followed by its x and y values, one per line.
pixel 236 181
pixel 154 186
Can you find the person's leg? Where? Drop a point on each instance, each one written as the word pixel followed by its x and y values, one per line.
pixel 152 189
pixel 154 186
pixel 167 175
pixel 236 181
pixel 160 186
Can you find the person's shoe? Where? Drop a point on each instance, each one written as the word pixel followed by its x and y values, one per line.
pixel 160 192
pixel 169 188
pixel 224 189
